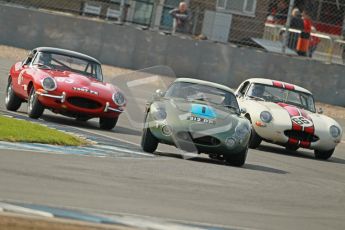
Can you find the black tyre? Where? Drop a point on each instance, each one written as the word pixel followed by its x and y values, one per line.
pixel 107 123
pixel 323 155
pixel 149 143
pixel 255 140
pixel 35 108
pixel 238 159
pixel 291 147
pixel 12 101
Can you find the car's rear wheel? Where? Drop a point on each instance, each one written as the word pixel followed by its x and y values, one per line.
pixel 107 123
pixel 323 155
pixel 255 140
pixel 149 143
pixel 12 101
pixel 238 159
pixel 35 108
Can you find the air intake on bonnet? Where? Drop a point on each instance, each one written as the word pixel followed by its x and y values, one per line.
pixel 201 139
pixel 301 136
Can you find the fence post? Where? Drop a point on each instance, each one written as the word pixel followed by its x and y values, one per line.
pixel 287 26
pixel 122 11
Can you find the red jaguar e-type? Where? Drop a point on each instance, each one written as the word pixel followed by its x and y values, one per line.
pixel 64 82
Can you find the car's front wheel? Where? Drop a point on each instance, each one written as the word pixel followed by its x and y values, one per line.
pixel 255 140
pixel 323 155
pixel 12 101
pixel 35 108
pixel 238 159
pixel 149 143
pixel 107 123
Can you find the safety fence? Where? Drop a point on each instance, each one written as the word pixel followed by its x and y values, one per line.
pixel 257 23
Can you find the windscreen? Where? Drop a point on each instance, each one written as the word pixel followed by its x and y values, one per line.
pixel 210 94
pixel 68 63
pixel 277 94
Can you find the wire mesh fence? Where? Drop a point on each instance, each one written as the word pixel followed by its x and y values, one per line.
pixel 256 23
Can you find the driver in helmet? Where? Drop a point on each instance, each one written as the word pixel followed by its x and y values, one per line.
pixel 258 90
pixel 45 59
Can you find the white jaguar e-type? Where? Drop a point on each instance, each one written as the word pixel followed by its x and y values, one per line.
pixel 285 114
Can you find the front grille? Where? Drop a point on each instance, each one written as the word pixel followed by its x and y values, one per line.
pixel 202 140
pixel 301 136
pixel 84 103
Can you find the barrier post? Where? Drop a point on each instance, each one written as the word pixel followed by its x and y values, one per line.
pixel 287 26
pixel 122 11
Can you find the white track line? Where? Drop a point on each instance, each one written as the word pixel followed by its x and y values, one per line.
pixel 18 209
pixel 114 138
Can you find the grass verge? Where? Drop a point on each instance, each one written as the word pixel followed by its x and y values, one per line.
pixel 14 130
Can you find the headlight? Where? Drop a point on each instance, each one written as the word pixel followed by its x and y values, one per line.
pixel 158 112
pixel 334 131
pixel 49 84
pixel 266 116
pixel 119 99
pixel 242 131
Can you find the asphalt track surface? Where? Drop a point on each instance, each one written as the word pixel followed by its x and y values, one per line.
pixel 276 189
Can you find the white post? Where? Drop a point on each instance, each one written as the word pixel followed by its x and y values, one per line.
pixel 158 14
pixel 287 26
pixel 122 10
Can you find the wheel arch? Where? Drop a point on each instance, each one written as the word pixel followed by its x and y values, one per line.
pixel 247 115
pixel 30 85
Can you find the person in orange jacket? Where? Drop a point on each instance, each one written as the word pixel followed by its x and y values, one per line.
pixel 304 38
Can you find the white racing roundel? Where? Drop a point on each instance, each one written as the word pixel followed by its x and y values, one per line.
pixel 302 121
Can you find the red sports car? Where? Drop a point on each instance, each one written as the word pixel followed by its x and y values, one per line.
pixel 64 82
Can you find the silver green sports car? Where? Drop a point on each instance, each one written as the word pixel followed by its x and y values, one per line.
pixel 197 116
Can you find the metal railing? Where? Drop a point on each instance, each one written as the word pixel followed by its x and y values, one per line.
pixel 236 21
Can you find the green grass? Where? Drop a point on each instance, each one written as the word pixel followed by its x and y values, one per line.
pixel 14 130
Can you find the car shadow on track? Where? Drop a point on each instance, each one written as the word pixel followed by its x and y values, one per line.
pixel 299 153
pixel 221 163
pixel 92 125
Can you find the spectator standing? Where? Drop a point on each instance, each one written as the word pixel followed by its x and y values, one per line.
pixel 297 24
pixel 304 38
pixel 182 17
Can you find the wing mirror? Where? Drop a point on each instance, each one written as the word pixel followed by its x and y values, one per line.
pixel 320 111
pixel 158 94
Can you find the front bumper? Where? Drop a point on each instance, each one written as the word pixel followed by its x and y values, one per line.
pixel 60 103
pixel 275 133
pixel 191 143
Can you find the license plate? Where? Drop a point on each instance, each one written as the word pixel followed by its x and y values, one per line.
pixel 201 120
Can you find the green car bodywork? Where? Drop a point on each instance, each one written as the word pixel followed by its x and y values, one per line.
pixel 197 125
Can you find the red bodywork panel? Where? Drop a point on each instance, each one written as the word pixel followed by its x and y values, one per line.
pixel 85 96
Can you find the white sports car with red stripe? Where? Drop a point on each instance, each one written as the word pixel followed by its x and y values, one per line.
pixel 285 114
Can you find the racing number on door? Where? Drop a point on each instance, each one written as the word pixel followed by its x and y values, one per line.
pixel 302 121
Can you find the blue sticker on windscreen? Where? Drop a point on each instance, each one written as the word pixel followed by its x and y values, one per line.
pixel 203 110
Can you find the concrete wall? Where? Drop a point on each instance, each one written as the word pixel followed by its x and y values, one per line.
pixel 128 47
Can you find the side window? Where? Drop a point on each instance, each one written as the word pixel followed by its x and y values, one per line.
pixel 244 88
pixel 29 58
